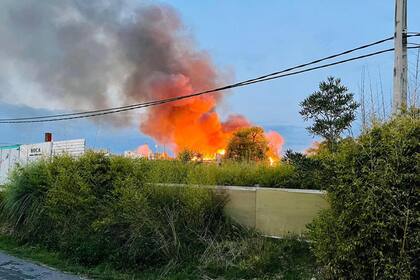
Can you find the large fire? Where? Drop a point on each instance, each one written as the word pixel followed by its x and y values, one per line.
pixel 171 66
pixel 112 52
pixel 194 124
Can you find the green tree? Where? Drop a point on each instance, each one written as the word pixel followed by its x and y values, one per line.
pixel 307 170
pixel 332 110
pixel 248 144
pixel 185 155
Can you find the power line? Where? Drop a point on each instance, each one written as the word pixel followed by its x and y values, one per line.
pixel 168 100
pixel 212 90
pixel 275 75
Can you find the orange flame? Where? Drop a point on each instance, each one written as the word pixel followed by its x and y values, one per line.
pixel 178 70
pixel 190 123
pixel 275 143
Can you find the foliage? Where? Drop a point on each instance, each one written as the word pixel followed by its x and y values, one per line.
pixel 57 260
pixel 228 174
pixel 166 171
pixel 247 144
pixel 98 211
pixel 249 257
pixel 185 155
pixel 266 257
pixel 21 206
pixel 99 206
pixel 308 171
pixel 332 110
pixel 372 230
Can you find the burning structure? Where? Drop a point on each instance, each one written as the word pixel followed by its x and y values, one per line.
pixel 107 53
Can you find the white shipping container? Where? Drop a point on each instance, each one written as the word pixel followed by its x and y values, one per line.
pixel 9 157
pixel 33 152
pixel 75 147
pixel 24 154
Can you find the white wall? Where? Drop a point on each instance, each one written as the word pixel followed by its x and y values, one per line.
pixel 23 154
pixel 8 157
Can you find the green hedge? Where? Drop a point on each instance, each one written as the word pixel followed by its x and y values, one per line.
pixel 372 230
pixel 229 174
pixel 104 210
pixel 98 208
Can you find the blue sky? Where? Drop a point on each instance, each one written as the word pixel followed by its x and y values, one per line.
pixel 249 38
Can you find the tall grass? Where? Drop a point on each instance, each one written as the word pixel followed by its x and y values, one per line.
pixel 21 205
pixel 106 210
pixel 227 174
pixel 97 206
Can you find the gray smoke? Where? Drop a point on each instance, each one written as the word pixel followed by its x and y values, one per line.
pixel 77 55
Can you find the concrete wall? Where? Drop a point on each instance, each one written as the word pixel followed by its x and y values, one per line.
pixel 273 211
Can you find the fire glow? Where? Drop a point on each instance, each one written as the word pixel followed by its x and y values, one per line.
pixel 113 55
pixel 192 123
pixel 183 126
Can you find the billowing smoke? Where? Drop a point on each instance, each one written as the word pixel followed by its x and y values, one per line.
pixel 98 54
pixel 65 53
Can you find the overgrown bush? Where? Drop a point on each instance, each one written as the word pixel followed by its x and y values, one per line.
pixel 99 208
pixel 22 204
pixel 372 230
pixel 227 174
pixel 284 174
pixel 167 171
pixel 254 257
pixel 308 171
pixel 186 155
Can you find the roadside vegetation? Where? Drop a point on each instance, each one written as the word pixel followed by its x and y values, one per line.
pixel 99 211
pixel 231 173
pixel 284 259
pixel 372 230
pixel 131 219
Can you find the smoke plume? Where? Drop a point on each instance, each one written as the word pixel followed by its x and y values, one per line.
pixel 98 54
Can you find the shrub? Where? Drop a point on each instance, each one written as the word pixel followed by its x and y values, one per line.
pixel 105 211
pixel 157 225
pixel 186 156
pixel 308 171
pixel 251 256
pixel 101 209
pixel 21 205
pixel 229 173
pixel 372 230
pixel 167 171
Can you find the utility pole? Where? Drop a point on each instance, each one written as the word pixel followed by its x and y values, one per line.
pixel 400 63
